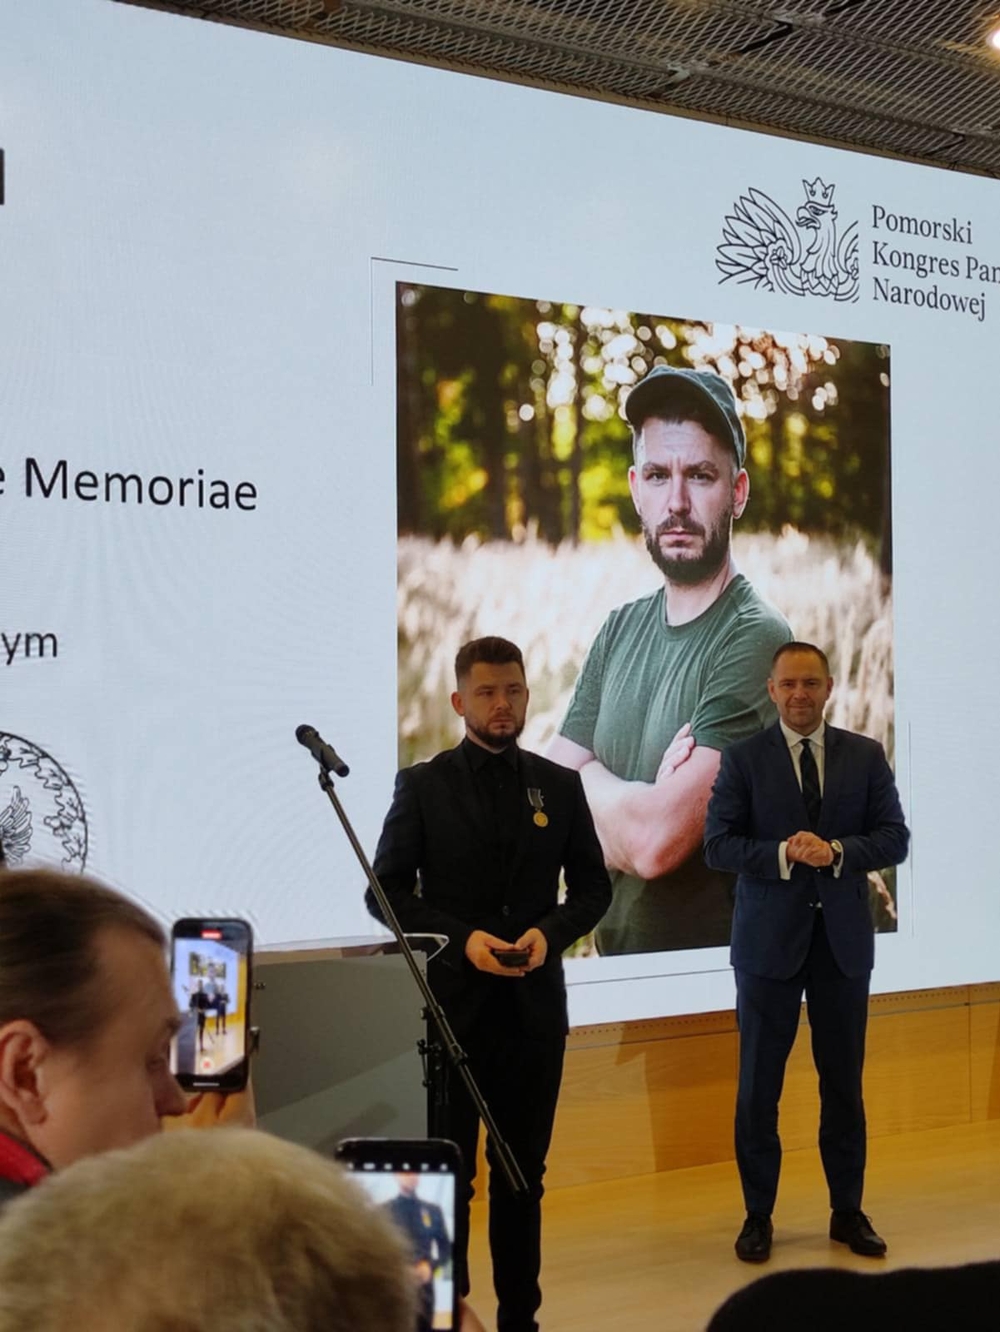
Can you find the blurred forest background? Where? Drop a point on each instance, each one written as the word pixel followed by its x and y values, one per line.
pixel 514 510
pixel 510 422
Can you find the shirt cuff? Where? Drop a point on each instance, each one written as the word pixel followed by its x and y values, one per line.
pixel 784 869
pixel 838 858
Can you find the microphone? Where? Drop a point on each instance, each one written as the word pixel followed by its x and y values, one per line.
pixel 325 755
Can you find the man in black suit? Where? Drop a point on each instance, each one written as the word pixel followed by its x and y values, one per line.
pixel 472 848
pixel 423 1224
pixel 801 812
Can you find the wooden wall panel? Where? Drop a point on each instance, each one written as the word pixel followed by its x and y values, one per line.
pixel 917 1070
pixel 984 1051
pixel 643 1097
pixel 641 1107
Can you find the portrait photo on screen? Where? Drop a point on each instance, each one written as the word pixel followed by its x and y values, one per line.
pixel 517 516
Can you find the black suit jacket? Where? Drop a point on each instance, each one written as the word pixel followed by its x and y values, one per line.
pixel 757 803
pixel 435 843
pixel 424 1226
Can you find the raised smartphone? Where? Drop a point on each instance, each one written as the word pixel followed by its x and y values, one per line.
pixel 210 965
pixel 417 1182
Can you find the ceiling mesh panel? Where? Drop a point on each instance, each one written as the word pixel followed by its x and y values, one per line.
pixel 912 77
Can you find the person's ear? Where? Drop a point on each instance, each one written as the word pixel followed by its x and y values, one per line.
pixel 741 493
pixel 23 1051
pixel 457 703
pixel 633 488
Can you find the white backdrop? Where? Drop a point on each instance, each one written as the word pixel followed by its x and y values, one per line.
pixel 198 246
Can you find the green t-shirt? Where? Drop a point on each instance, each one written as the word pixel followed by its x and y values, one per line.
pixel 641 681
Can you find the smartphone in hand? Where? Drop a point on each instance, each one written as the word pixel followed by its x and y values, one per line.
pixel 416 1181
pixel 512 957
pixel 210 965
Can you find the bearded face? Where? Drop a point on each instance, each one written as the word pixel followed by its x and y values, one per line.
pixel 685 492
pixel 685 551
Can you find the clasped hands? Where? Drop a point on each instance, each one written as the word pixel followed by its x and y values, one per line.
pixel 805 848
pixel 481 947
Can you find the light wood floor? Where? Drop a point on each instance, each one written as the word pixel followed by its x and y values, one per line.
pixel 655 1251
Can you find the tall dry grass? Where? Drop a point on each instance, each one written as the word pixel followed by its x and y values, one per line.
pixel 552 600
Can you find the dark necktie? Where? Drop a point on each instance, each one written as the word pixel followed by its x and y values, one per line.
pixel 811 793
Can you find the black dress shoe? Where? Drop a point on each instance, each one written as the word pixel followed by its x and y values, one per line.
pixel 856 1231
pixel 753 1244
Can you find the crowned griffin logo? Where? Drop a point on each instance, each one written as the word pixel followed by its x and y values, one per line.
pixel 42 819
pixel 762 245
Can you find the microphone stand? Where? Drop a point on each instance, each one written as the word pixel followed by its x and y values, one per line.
pixel 432 1009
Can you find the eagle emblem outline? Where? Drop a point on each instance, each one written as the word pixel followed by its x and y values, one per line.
pixel 800 256
pixel 41 802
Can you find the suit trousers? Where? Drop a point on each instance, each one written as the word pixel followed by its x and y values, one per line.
pixel 767 1013
pixel 519 1077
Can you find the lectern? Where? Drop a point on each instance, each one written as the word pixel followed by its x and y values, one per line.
pixel 339 1024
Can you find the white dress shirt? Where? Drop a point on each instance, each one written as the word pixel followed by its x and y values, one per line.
pixel 794 742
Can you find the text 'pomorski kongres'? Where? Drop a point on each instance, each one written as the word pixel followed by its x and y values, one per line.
pixel 911 274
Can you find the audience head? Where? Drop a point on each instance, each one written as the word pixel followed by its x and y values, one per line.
pixel 228 1230
pixel 86 1017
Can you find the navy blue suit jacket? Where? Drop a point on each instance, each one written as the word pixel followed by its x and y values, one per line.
pixel 757 803
pixel 435 840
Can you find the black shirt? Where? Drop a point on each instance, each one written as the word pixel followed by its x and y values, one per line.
pixel 498 787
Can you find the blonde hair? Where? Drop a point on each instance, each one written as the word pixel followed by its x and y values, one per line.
pixel 226 1230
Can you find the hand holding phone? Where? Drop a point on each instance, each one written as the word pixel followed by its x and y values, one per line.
pixel 416 1182
pixel 512 957
pixel 210 965
pixel 535 944
pixel 483 950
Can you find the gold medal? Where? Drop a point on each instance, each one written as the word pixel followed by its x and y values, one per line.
pixel 540 819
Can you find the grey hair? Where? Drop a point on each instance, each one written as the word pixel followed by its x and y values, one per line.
pixel 212 1230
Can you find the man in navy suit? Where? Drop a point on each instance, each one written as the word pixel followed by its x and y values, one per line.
pixel 472 848
pixel 801 812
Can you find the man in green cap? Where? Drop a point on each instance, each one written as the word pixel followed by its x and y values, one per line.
pixel 675 677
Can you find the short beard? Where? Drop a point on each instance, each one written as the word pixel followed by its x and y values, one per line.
pixel 493 741
pixel 690 571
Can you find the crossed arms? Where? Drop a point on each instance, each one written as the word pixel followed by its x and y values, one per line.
pixel 647 828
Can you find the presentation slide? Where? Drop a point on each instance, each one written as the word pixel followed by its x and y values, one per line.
pixel 313 365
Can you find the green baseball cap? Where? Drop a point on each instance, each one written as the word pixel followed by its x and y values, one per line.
pixel 666 387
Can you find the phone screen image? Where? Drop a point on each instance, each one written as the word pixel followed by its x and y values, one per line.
pixel 420 1199
pixel 210 965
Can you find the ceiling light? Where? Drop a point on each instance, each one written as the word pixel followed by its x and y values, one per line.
pixel 994 39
